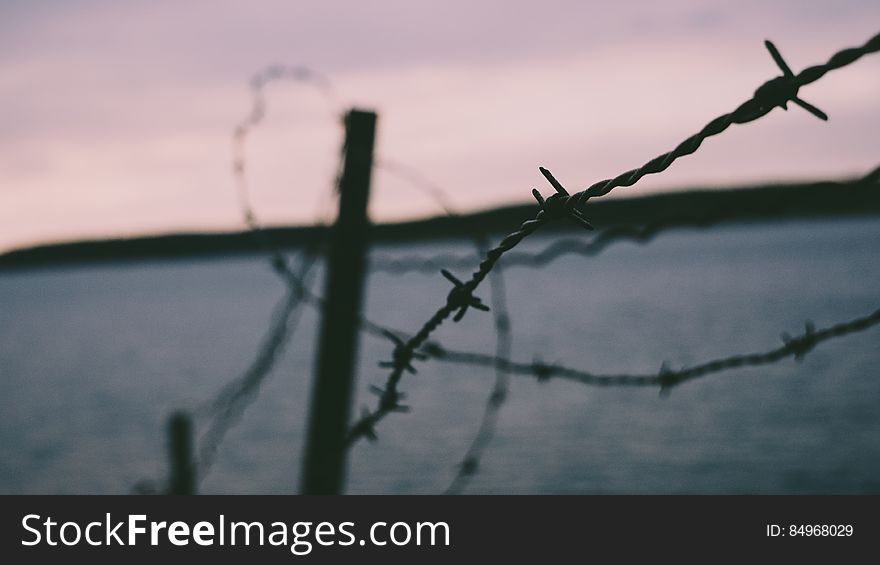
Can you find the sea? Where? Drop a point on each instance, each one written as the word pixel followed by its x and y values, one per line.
pixel 95 358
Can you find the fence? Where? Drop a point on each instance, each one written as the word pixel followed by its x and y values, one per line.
pixel 410 348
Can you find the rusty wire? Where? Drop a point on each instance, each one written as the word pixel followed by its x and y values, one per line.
pixel 775 92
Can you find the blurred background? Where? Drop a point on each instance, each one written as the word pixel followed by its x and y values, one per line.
pixel 118 122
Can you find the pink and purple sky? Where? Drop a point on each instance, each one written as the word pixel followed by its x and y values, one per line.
pixel 116 116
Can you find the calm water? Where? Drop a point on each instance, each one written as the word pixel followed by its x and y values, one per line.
pixel 93 359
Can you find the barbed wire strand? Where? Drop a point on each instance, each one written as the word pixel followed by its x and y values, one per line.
pixel 797 347
pixel 498 394
pixel 403 354
pixel 666 378
pixel 775 92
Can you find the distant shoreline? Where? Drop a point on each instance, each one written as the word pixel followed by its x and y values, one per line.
pixel 694 207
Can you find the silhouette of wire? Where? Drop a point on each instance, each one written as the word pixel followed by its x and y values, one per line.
pixel 402 357
pixel 226 409
pixel 255 116
pixel 500 389
pixel 666 378
pixel 775 92
pixel 797 347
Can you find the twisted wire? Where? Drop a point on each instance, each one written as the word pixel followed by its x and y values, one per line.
pixel 666 378
pixel 404 352
pixel 775 92
pixel 498 297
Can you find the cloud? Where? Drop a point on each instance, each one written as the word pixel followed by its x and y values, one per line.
pixel 117 116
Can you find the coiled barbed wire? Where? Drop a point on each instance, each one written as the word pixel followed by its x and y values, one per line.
pixel 230 403
pixel 257 113
pixel 775 92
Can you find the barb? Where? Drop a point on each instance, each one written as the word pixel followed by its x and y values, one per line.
pixel 666 378
pixel 773 93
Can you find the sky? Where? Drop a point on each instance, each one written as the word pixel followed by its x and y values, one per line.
pixel 117 117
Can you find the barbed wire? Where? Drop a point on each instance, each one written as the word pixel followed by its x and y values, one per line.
pixel 229 404
pixel 497 294
pixel 775 92
pixel 665 378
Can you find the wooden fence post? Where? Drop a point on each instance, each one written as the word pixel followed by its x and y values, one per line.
pixel 325 453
